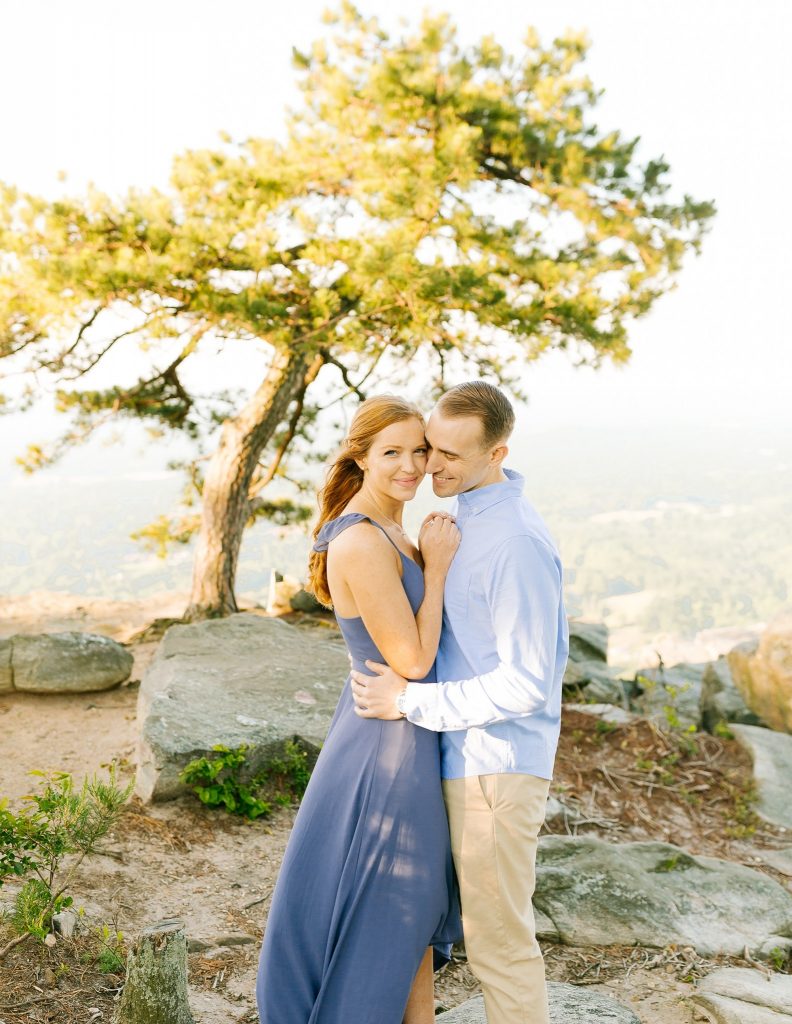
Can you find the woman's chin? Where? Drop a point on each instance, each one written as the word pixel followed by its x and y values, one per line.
pixel 402 492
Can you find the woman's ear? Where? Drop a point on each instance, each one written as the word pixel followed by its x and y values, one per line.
pixel 360 465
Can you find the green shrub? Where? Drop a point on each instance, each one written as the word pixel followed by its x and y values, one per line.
pixel 225 779
pixel 57 822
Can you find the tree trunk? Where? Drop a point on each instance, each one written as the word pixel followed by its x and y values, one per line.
pixel 155 991
pixel 226 500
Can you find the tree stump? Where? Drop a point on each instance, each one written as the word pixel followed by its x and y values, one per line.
pixel 155 991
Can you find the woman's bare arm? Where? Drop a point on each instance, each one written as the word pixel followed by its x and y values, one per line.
pixel 363 571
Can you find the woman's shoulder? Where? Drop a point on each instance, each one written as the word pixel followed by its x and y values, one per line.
pixel 353 530
pixel 361 543
pixel 348 529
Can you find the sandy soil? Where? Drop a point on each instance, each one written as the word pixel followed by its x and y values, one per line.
pixel 213 871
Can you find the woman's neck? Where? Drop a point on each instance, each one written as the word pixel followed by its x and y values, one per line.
pixel 383 504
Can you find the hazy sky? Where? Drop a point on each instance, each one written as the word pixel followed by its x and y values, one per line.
pixel 109 92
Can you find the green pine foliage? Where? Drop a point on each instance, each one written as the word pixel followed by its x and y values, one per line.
pixel 59 825
pixel 455 202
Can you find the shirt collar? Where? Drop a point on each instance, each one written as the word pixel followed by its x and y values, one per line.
pixel 477 500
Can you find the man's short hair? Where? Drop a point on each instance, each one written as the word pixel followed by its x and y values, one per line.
pixel 491 406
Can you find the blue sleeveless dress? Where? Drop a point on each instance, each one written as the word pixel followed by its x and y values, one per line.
pixel 367 881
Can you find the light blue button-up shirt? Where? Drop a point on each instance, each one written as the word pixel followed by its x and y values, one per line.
pixel 504 643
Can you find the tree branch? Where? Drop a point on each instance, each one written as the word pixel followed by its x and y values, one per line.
pixel 259 484
pixel 353 388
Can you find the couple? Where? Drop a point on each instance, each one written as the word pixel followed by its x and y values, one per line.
pixel 447 771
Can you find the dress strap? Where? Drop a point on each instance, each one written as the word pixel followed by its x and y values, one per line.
pixel 333 527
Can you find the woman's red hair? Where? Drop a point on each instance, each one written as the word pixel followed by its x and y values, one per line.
pixel 344 476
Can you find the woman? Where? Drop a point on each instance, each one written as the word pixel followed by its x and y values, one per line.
pixel 366 888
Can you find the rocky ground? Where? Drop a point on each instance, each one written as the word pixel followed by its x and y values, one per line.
pixel 623 781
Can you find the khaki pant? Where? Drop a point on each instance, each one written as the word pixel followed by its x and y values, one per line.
pixel 494 822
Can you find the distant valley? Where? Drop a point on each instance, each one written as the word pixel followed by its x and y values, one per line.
pixel 680 543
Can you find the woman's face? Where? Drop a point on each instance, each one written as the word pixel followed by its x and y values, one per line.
pixel 395 464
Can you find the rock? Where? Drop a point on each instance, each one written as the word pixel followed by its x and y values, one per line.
pixel 600 683
pixel 655 894
pixel 281 590
pixel 545 929
pixel 196 945
pixel 721 701
pixel 569 1004
pixel 772 768
pixel 764 674
pixel 781 859
pixel 609 689
pixel 588 641
pixel 671 696
pixel 65 923
pixel 234 939
pixel 559 816
pixel 302 601
pixel 244 679
pixel 68 662
pixel 573 1004
pixel 605 712
pixel 6 673
pixel 741 995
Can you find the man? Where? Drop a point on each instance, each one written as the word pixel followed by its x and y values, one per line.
pixel 500 664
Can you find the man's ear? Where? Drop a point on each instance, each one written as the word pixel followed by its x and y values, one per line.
pixel 497 455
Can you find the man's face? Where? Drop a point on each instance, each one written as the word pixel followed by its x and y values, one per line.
pixel 457 459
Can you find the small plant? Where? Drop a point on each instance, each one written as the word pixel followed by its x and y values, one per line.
pixel 216 782
pixel 779 958
pixel 676 862
pixel 694 799
pixel 744 818
pixel 669 864
pixel 722 731
pixel 111 958
pixel 57 823
pixel 290 773
pixel 220 781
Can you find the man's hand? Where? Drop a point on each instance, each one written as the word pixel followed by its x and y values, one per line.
pixel 375 696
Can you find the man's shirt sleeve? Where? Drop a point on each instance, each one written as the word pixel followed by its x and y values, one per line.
pixel 523 594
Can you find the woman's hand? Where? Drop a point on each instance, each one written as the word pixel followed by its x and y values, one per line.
pixel 435 515
pixel 438 540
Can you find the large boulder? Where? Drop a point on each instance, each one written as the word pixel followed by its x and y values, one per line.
pixel 600 683
pixel 741 995
pixel 763 673
pixel 588 641
pixel 654 894
pixel 569 1004
pixel 245 679
pixel 68 662
pixel 605 712
pixel 671 696
pixel 302 601
pixel 771 753
pixel 721 701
